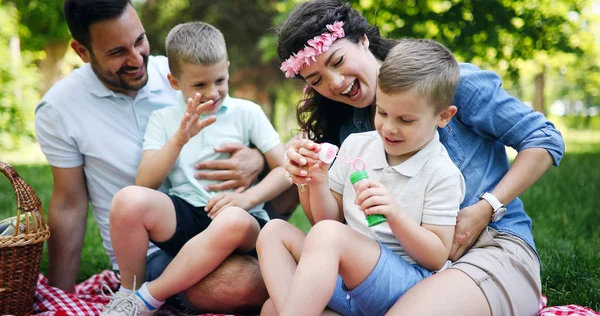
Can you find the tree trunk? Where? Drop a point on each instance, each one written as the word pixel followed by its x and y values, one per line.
pixel 50 66
pixel 538 99
pixel 16 61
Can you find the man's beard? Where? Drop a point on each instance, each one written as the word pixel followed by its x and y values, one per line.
pixel 121 84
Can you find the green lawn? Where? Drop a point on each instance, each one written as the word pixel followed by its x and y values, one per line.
pixel 561 205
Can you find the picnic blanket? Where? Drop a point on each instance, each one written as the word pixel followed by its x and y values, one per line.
pixel 88 300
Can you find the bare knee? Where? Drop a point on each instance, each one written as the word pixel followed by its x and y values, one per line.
pixel 273 231
pixel 327 234
pixel 235 227
pixel 128 206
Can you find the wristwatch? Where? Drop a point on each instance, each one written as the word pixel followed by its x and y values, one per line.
pixel 499 208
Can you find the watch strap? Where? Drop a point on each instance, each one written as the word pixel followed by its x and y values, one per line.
pixel 494 202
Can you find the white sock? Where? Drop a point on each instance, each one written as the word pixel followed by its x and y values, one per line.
pixel 125 291
pixel 150 301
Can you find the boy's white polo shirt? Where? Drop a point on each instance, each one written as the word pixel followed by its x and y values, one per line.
pixel 428 186
pixel 238 121
pixel 81 122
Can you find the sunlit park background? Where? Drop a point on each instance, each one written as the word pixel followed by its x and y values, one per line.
pixel 547 52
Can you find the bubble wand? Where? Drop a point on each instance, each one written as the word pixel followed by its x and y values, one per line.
pixel 328 152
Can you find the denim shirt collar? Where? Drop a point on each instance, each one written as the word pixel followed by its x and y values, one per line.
pixel 362 119
pixel 360 122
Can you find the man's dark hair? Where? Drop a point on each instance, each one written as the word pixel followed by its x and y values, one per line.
pixel 80 14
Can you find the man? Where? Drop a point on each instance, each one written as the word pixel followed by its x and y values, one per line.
pixel 90 126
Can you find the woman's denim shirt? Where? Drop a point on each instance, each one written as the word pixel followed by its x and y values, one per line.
pixel 488 119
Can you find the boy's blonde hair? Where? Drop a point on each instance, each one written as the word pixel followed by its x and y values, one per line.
pixel 421 66
pixel 196 43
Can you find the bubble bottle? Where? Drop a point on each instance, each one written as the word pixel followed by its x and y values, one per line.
pixel 327 154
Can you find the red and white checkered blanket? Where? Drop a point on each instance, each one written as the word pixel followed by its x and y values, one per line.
pixel 88 300
pixel 567 310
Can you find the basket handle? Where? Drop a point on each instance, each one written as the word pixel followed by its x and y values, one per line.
pixel 27 200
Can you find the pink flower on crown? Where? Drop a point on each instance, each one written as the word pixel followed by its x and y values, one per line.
pixel 336 28
pixel 316 46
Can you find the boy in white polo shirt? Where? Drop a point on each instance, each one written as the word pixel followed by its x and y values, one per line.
pixel 412 182
pixel 198 227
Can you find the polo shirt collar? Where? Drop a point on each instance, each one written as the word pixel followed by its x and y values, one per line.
pixel 222 109
pixel 413 164
pixel 96 87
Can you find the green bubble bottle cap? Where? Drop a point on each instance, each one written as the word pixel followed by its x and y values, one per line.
pixel 358 175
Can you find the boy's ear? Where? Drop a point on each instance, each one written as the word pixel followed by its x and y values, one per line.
pixel 81 51
pixel 447 115
pixel 173 81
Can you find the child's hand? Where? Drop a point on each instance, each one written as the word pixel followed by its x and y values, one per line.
pixel 226 199
pixel 190 125
pixel 373 198
pixel 302 162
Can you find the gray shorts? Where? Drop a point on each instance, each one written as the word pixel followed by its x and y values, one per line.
pixel 507 270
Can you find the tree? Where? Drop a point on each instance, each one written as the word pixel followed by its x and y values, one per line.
pixel 18 82
pixel 494 34
pixel 43 29
pixel 242 22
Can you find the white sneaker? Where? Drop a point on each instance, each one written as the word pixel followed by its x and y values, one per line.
pixel 127 305
pixel 124 304
pixel 113 298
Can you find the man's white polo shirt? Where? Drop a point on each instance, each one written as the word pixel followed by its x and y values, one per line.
pixel 81 122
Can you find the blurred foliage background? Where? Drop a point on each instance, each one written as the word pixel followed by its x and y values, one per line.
pixel 547 51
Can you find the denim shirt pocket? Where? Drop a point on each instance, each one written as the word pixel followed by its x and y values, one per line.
pixel 450 140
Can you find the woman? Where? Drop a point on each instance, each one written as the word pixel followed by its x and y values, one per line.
pixel 496 270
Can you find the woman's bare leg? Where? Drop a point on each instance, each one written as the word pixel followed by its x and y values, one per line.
pixel 454 292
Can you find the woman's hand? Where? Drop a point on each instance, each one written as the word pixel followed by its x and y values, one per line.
pixel 302 162
pixel 238 172
pixel 471 221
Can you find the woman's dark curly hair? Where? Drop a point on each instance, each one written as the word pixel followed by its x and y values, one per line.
pixel 319 117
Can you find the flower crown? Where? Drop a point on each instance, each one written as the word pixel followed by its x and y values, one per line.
pixel 316 46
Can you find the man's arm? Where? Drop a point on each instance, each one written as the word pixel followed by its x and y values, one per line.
pixel 67 215
pixel 238 172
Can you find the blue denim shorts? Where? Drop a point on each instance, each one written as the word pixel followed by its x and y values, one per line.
pixel 391 277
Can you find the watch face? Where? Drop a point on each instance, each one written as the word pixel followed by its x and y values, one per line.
pixel 499 214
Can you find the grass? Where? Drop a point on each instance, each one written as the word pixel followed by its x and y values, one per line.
pixel 562 204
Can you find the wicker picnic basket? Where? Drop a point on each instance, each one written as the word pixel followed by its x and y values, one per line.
pixel 21 251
